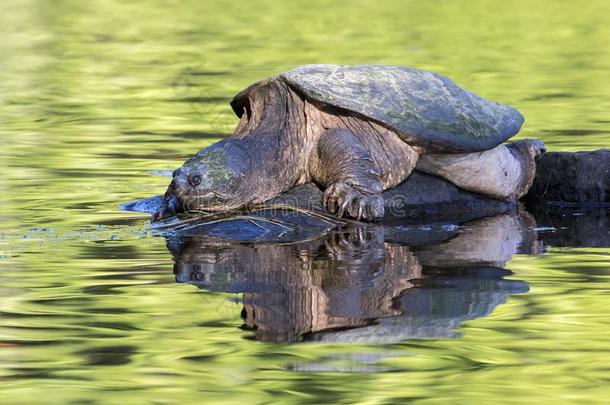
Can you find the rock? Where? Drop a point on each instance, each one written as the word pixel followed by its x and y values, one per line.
pixel 566 183
pixel 562 178
pixel 568 178
pixel 420 198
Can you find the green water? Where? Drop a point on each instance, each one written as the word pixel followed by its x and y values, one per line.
pixel 96 95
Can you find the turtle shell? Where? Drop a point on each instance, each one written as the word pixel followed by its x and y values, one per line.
pixel 425 109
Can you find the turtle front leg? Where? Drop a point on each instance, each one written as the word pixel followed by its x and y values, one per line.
pixel 352 180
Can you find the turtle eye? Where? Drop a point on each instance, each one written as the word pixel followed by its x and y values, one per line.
pixel 194 180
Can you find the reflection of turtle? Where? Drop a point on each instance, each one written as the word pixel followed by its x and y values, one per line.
pixel 339 282
pixel 359 284
pixel 355 130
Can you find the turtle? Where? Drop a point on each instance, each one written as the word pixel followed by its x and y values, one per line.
pixel 355 131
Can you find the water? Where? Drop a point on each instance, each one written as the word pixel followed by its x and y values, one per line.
pixel 95 97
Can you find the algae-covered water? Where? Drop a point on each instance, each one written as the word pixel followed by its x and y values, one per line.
pixel 99 97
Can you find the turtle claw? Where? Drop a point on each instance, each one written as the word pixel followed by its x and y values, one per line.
pixel 341 199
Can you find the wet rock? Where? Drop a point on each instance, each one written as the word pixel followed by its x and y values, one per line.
pixel 420 198
pixel 568 178
pixel 563 181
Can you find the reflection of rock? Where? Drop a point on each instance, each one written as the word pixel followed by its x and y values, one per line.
pixel 575 226
pixel 354 285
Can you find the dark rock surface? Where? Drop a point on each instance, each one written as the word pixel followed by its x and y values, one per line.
pixel 420 198
pixel 569 201
pixel 567 178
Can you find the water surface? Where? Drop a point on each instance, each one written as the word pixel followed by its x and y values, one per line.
pixel 97 97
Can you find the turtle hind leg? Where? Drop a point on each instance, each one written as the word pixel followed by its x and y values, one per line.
pixel 527 151
pixel 352 180
pixel 505 172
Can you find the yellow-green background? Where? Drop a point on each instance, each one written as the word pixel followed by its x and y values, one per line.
pixel 94 94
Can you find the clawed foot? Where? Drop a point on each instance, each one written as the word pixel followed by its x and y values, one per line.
pixel 355 241
pixel 341 198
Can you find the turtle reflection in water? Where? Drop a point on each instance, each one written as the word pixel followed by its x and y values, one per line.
pixel 363 284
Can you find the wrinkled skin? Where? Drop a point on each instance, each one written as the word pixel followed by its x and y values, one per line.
pixel 284 140
pixel 211 180
pixel 273 149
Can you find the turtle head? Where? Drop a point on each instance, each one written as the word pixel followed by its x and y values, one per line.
pixel 215 179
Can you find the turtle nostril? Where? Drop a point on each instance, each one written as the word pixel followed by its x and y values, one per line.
pixel 194 180
pixel 177 172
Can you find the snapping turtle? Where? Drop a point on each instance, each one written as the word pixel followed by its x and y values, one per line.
pixel 355 131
